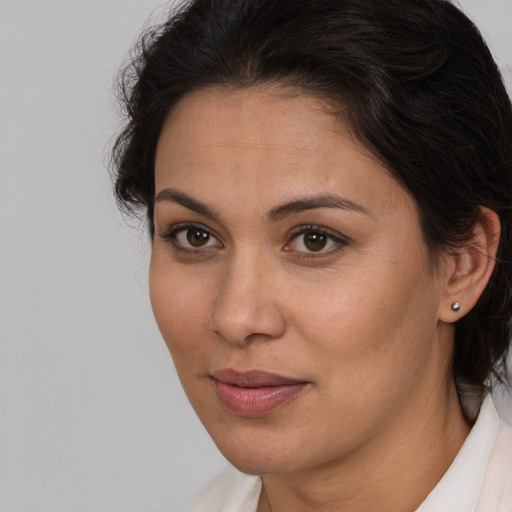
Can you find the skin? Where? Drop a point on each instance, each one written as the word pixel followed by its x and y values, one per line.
pixel 366 321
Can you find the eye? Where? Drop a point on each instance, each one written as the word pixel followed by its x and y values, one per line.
pixel 191 237
pixel 314 240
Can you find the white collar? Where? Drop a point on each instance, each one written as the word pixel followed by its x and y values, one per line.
pixel 459 489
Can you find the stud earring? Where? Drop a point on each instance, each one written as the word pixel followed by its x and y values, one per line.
pixel 456 306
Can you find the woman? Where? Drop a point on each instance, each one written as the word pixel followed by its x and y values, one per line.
pixel 327 185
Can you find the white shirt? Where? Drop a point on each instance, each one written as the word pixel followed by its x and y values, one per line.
pixel 478 480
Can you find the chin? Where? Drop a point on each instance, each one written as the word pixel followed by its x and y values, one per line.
pixel 255 455
pixel 259 466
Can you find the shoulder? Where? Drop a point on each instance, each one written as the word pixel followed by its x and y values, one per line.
pixel 230 491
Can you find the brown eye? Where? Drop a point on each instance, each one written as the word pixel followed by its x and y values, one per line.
pixel 197 237
pixel 194 237
pixel 315 241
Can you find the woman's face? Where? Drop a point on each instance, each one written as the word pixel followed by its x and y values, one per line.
pixel 290 281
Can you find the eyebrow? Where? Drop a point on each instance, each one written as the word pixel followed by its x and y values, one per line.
pixel 276 214
pixel 169 194
pixel 311 203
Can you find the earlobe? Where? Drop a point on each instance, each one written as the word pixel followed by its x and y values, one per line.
pixel 470 267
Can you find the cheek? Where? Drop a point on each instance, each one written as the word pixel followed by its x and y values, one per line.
pixel 371 326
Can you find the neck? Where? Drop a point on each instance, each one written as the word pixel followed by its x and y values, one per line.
pixel 394 472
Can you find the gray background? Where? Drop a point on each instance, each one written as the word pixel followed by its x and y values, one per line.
pixel 92 416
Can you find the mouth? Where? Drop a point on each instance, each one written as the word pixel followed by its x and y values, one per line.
pixel 254 393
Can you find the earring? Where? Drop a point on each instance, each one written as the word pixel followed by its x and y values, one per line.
pixel 456 306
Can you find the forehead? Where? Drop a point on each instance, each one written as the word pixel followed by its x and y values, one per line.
pixel 247 120
pixel 272 142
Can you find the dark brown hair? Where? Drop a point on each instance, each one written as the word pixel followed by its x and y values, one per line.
pixel 413 79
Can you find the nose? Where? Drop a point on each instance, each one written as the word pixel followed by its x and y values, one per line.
pixel 247 307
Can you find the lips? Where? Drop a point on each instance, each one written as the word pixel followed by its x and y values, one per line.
pixel 254 393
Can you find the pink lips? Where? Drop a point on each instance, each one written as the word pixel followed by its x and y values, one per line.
pixel 254 393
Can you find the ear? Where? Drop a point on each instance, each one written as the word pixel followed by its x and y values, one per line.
pixel 470 268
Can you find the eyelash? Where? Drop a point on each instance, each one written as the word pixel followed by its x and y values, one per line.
pixel 340 242
pixel 173 232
